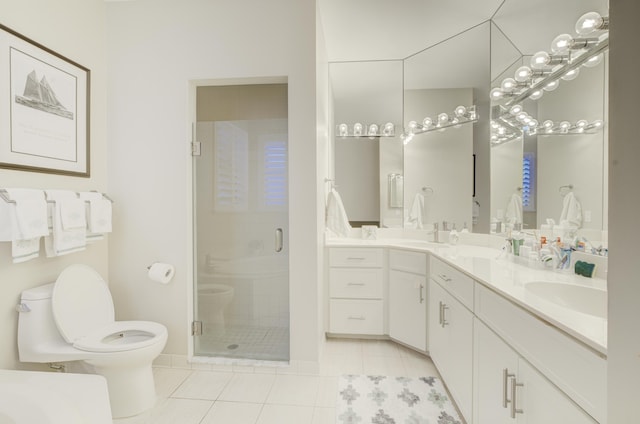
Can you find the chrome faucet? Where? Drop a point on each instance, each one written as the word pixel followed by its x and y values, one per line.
pixel 435 232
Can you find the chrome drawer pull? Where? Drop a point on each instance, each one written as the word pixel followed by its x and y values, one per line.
pixel 355 284
pixel 505 382
pixel 359 318
pixel 421 296
pixel 514 385
pixel 444 318
pixel 444 277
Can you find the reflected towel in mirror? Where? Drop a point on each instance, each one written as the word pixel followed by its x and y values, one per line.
pixel 571 215
pixel 416 215
pixel 513 214
pixel 336 217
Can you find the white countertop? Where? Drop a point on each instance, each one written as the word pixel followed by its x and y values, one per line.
pixel 508 275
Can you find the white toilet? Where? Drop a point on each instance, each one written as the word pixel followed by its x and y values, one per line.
pixel 73 320
pixel 213 300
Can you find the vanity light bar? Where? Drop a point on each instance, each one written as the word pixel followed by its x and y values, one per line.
pixel 368 130
pixel 582 126
pixel 567 55
pixel 461 115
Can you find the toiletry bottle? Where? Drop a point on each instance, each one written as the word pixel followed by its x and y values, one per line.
pixel 493 229
pixel 464 229
pixel 453 235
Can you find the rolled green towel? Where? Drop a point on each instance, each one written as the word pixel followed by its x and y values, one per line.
pixel 585 269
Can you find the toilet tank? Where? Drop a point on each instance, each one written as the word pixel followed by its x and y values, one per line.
pixel 38 336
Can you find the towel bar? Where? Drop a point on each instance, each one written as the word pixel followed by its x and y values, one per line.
pixel 5 196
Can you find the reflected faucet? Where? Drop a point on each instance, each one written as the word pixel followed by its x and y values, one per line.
pixel 435 232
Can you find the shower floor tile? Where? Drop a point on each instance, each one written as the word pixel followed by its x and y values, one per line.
pixel 251 342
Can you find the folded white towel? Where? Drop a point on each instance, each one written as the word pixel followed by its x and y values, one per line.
pixel 99 212
pixel 513 214
pixel 336 217
pixel 65 209
pixel 571 216
pixel 416 215
pixel 26 217
pixel 24 250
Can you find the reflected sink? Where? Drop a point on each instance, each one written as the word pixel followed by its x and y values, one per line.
pixel 587 300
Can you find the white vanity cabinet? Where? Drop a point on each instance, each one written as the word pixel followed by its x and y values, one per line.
pixel 451 331
pixel 509 390
pixel 356 291
pixel 408 298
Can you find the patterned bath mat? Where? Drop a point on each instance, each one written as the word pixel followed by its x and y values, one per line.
pixel 364 399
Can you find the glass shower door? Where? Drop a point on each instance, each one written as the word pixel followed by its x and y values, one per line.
pixel 241 227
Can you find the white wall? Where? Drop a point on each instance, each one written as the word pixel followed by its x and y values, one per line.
pixel 74 29
pixel 156 47
pixel 624 232
pixel 506 175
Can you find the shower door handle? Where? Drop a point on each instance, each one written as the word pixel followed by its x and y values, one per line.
pixel 279 239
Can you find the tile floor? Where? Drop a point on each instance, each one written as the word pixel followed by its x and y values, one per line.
pixel 263 395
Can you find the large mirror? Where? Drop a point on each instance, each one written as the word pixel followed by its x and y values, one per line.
pixel 449 167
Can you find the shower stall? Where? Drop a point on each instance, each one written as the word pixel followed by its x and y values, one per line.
pixel 241 279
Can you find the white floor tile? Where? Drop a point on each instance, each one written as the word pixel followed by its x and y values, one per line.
pixel 342 347
pixel 341 364
pixel 324 416
pixel 327 392
pixel 203 385
pixel 244 387
pixel 183 411
pixel 233 413
pixel 417 365
pixel 300 390
pixel 167 380
pixel 380 348
pixel 286 414
pixel 383 365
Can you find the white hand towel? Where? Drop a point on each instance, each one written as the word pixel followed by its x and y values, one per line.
pixel 24 250
pixel 513 214
pixel 28 213
pixel 416 215
pixel 571 216
pixel 99 212
pixel 336 218
pixel 71 238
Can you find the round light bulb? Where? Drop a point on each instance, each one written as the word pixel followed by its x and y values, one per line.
pixel 536 95
pixel 494 125
pixel 564 126
pixel 460 111
pixel 593 61
pixel 581 123
pixel 534 123
pixel 343 129
pixel 496 94
pixel 523 74
pixel 571 75
pixel 443 118
pixel 494 138
pixel 548 124
pixel 357 129
pixel 597 124
pixel 373 129
pixel 515 110
pixel 413 125
pixel 561 44
pixel 589 22
pixel 540 60
pixel 508 85
pixel 551 86
pixel 427 122
pixel 522 116
pixel 502 130
pixel 388 129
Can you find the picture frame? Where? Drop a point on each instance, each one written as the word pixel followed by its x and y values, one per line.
pixel 44 109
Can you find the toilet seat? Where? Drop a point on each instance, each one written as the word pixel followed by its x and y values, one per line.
pixel 121 336
pixel 83 311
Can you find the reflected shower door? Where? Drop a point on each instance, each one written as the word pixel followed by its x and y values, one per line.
pixel 241 291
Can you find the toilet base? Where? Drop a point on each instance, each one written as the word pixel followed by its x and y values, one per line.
pixel 131 389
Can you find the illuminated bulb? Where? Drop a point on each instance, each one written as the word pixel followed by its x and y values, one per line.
pixel 548 124
pixel 407 139
pixel 536 95
pixel 460 111
pixel 427 122
pixel 357 129
pixel 593 61
pixel 494 125
pixel 523 74
pixel 534 123
pixel 572 74
pixel 496 94
pixel 561 44
pixel 597 124
pixel 564 126
pixel 373 129
pixel 443 118
pixel 388 129
pixel 581 123
pixel 508 85
pixel 590 22
pixel 540 60
pixel 412 126
pixel 515 110
pixel 522 116
pixel 551 86
pixel 343 129
pixel 502 130
pixel 494 138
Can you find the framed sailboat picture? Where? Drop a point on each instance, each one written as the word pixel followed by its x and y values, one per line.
pixel 44 108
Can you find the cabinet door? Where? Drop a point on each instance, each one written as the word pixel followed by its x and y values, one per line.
pixel 408 309
pixel 541 402
pixel 494 365
pixel 451 344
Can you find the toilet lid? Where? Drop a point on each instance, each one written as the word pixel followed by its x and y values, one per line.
pixel 80 302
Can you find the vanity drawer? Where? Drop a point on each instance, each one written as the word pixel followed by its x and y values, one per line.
pixel 403 260
pixel 576 369
pixel 355 257
pixel 356 283
pixel 455 282
pixel 356 316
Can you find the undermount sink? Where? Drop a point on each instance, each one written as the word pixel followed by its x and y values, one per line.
pixel 587 300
